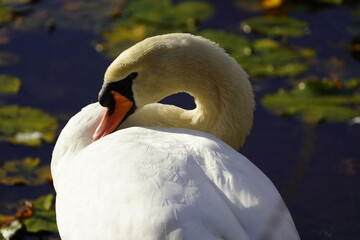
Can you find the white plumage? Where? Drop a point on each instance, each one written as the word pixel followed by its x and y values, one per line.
pixel 156 182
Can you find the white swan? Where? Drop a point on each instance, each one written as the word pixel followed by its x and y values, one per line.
pixel 159 175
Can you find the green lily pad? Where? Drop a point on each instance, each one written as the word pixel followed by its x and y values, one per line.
pixel 26 171
pixel 122 37
pixel 25 125
pixel 44 217
pixel 276 26
pixel 262 57
pixel 164 12
pixel 9 84
pixel 316 101
pixel 35 215
pixel 5 15
pixel 235 45
pixel 269 58
pixel 146 18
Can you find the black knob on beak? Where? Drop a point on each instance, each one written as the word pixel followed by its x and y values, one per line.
pixel 105 97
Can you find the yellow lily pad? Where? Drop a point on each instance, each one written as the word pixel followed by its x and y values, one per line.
pixel 25 125
pixel 26 171
pixel 5 15
pixel 9 84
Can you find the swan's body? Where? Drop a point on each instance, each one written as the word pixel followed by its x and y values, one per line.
pixel 156 182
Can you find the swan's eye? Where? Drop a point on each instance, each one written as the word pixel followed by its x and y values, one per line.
pixel 132 75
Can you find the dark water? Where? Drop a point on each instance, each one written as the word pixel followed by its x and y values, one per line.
pixel 315 168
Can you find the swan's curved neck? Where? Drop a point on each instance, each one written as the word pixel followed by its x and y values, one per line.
pixel 224 105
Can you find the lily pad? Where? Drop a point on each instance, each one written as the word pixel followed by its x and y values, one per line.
pixel 270 4
pixel 122 37
pixel 90 15
pixel 269 58
pixel 234 44
pixel 146 18
pixel 43 217
pixel 164 12
pixel 276 26
pixel 25 125
pixel 9 84
pixel 316 101
pixel 35 215
pixel 5 15
pixel 262 57
pixel 27 171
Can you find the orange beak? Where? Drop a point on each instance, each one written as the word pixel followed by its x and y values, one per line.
pixel 111 120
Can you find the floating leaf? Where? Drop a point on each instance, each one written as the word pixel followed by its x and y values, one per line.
pixel 276 26
pixel 25 125
pixel 269 4
pixel 43 217
pixel 26 171
pixel 352 84
pixel 36 215
pixel 9 84
pixel 121 38
pixel 5 15
pixel 262 57
pixel 145 18
pixel 9 224
pixel 163 12
pixel 269 58
pixel 234 44
pixel 315 101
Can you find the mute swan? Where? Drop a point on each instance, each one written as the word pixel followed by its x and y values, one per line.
pixel 157 171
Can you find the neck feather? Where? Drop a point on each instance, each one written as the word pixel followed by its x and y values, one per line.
pixel 224 106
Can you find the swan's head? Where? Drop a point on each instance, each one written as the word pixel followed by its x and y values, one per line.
pixel 160 66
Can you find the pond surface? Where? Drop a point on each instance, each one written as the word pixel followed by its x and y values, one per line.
pixel 315 166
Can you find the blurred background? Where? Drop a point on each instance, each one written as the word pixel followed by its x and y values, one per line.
pixel 302 57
